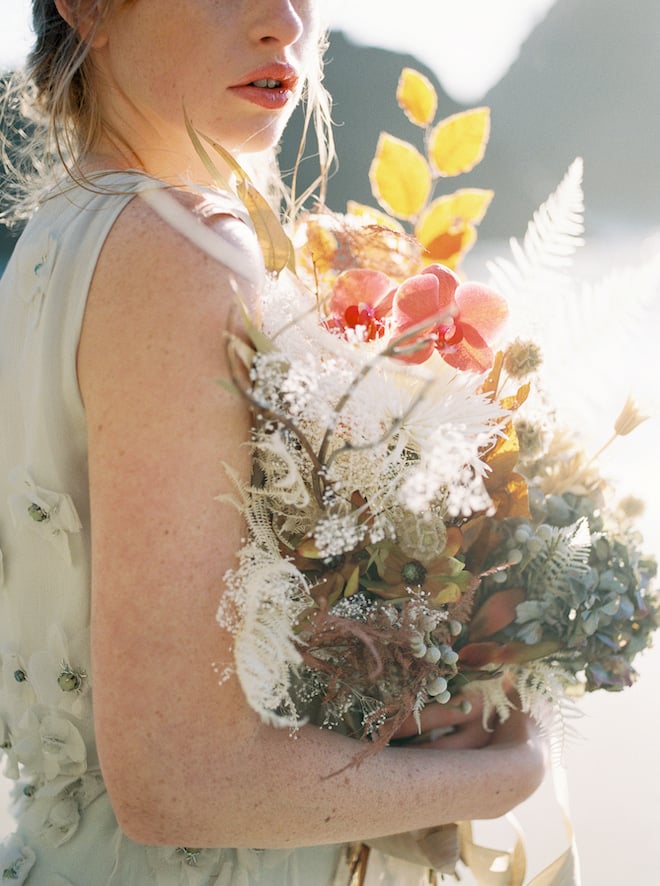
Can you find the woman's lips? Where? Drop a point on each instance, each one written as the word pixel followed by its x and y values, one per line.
pixel 271 86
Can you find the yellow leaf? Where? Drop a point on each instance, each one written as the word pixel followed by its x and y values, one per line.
pixel 492 382
pixel 449 247
pixel 446 229
pixel 400 177
pixel 458 143
pixel 416 97
pixel 319 246
pixel 517 400
pixel 353 583
pixel 276 247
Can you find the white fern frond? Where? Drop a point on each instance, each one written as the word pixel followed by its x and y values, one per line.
pixel 556 229
pixel 269 594
pixel 495 699
pixel 536 270
pixel 542 688
pixel 542 693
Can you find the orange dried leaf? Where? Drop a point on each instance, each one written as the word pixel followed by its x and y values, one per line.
pixel 511 499
pixel 520 653
pixel 496 613
pixel 479 655
pixel 400 177
pixel 492 382
pixel 517 400
pixel 503 457
pixel 416 97
pixel 458 143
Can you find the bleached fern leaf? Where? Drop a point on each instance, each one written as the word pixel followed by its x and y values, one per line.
pixel 264 598
pixel 495 699
pixel 541 688
pixel 536 270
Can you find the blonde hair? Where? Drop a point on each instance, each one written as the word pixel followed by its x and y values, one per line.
pixel 55 96
pixel 50 106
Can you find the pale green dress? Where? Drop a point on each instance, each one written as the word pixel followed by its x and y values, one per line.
pixel 66 832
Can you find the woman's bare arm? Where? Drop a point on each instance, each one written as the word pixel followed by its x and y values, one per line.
pixel 186 761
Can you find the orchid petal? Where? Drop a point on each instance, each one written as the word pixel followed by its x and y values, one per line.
pixel 482 308
pixel 448 283
pixel 415 301
pixel 469 357
pixel 359 286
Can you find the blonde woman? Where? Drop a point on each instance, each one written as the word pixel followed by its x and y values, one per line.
pixel 129 757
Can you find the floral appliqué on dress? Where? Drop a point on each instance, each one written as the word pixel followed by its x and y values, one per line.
pixel 16 860
pixel 50 514
pixel 34 297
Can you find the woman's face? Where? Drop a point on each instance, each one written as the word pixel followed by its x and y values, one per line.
pixel 236 66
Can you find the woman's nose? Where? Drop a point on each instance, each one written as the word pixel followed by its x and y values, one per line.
pixel 276 21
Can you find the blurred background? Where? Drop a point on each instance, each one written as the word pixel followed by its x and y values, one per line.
pixel 563 78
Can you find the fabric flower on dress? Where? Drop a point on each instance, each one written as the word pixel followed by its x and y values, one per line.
pixel 16 860
pixel 60 673
pixel 7 749
pixel 50 514
pixel 54 810
pixel 18 690
pixel 191 866
pixel 49 744
pixel 33 297
pixel 471 315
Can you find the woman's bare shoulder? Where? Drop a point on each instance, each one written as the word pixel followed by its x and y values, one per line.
pixel 176 229
pixel 156 279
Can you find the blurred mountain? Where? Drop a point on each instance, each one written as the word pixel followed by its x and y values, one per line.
pixel 585 84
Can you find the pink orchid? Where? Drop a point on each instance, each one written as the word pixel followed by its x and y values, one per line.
pixel 464 318
pixel 361 299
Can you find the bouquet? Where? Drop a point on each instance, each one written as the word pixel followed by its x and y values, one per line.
pixel 419 522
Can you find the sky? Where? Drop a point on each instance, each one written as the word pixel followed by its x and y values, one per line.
pixel 469 44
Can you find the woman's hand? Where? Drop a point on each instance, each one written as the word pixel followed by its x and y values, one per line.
pixel 457 725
